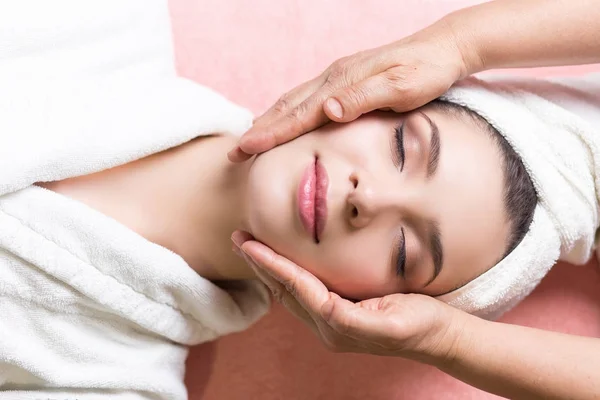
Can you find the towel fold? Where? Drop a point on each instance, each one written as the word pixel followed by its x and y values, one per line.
pixel 550 124
pixel 88 307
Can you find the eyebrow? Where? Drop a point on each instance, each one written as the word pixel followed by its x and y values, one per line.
pixel 435 237
pixel 435 247
pixel 434 146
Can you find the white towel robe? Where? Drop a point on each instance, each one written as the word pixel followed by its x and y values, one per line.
pixel 88 308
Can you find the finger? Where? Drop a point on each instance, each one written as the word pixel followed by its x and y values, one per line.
pixel 275 287
pixel 290 100
pixel 237 155
pixel 385 90
pixel 303 118
pixel 280 293
pixel 237 251
pixel 290 118
pixel 310 292
pixel 351 102
pixel 282 122
pixel 239 237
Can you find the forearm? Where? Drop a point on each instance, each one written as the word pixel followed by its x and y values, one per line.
pixel 525 363
pixel 527 33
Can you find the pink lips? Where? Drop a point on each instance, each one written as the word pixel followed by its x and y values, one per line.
pixel 312 199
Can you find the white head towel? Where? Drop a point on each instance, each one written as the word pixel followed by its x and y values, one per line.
pixel 560 150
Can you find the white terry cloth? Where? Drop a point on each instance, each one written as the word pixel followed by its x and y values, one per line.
pixel 554 127
pixel 88 308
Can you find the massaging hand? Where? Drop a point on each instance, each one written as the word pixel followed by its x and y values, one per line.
pixel 412 326
pixel 400 76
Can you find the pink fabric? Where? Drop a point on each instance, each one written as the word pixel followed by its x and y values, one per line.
pixel 254 51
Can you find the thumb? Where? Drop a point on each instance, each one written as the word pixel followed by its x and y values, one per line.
pixel 351 102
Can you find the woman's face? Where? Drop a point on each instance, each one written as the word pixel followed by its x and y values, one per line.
pixel 390 203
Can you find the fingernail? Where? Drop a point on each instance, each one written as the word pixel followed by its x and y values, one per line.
pixel 237 155
pixel 334 107
pixel 237 239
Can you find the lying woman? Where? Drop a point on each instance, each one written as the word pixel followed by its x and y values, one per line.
pixel 430 200
pixel 337 197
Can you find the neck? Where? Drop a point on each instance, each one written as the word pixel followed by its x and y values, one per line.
pixel 202 202
pixel 188 199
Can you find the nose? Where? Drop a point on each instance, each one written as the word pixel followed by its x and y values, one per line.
pixel 372 197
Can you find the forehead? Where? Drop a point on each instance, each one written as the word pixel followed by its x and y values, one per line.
pixel 467 198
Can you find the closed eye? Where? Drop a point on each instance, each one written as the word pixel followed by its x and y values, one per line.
pixel 401 257
pixel 399 155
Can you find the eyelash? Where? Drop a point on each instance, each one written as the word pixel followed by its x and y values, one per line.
pixel 400 156
pixel 401 263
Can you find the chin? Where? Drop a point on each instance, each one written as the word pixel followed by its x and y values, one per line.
pixel 271 199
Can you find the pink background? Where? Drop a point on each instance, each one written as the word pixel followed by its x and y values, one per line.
pixel 253 51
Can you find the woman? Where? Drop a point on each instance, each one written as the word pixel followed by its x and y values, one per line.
pixel 115 217
pixel 541 33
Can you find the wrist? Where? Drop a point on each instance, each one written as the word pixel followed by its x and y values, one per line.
pixel 466 43
pixel 454 338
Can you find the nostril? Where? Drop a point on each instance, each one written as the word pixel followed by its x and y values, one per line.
pixel 354 212
pixel 354 181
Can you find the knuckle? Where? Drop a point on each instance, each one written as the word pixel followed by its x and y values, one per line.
pixel 339 70
pixel 291 285
pixel 335 77
pixel 282 104
pixel 396 81
pixel 294 118
pixel 404 87
pixel 354 96
pixel 385 303
pixel 339 64
pixel 277 294
pixel 299 111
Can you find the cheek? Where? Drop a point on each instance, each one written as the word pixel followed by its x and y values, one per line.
pixel 356 267
pixel 268 192
pixel 360 144
pixel 271 214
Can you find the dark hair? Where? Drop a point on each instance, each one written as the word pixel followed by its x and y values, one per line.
pixel 520 197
